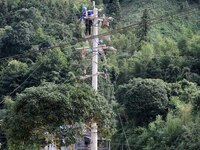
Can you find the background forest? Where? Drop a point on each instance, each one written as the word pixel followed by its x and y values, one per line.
pixel 149 99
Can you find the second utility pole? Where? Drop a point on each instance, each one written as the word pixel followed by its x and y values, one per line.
pixel 95 41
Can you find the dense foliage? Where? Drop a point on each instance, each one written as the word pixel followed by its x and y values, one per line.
pixel 143 100
pixel 39 112
pixel 151 81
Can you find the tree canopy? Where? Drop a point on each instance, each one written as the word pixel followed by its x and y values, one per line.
pixel 39 111
pixel 143 100
pixel 151 81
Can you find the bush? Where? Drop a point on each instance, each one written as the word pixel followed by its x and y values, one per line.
pixel 144 99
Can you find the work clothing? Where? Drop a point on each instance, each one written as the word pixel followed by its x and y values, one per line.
pixel 88 21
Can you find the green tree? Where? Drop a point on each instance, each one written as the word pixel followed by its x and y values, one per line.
pixel 172 73
pixel 98 2
pixel 187 91
pixel 17 38
pixel 177 132
pixel 195 46
pixel 183 46
pixel 154 69
pixel 30 15
pixel 143 29
pixel 41 111
pixel 53 67
pixel 11 77
pixel 143 99
pixel 113 9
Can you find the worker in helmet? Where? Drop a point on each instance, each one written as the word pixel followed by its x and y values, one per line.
pixel 89 22
pixel 87 17
pixel 84 10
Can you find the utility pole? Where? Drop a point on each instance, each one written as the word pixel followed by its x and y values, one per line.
pixel 95 52
pixel 94 137
pixel 95 41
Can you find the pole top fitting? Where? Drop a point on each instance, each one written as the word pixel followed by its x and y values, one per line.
pixel 93 4
pixel 94 125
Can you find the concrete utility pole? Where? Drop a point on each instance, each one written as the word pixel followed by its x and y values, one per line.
pixel 96 49
pixel 94 137
pixel 95 41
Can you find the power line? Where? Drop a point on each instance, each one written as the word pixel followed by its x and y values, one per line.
pixel 167 17
pixel 186 58
pixel 121 144
pixel 30 52
pixel 103 34
pixel 162 18
pixel 34 70
pixel 37 67
pixel 124 132
pixel 152 21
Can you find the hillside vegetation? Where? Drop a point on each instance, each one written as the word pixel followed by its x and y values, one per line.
pixel 148 97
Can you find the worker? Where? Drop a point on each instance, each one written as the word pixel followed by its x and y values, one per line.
pixel 84 11
pixel 88 20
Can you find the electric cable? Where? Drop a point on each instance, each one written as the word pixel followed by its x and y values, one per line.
pixel 120 144
pixel 161 18
pixel 152 21
pixel 124 132
pixel 92 37
pixel 83 39
pixel 34 70
pixel 37 67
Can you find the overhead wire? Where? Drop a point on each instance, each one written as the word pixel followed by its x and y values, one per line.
pixel 80 40
pixel 30 75
pixel 83 39
pixel 35 69
pixel 123 129
pixel 120 144
pixel 124 132
pixel 161 19
pixel 152 21
pixel 120 119
pixel 136 24
pixel 164 18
